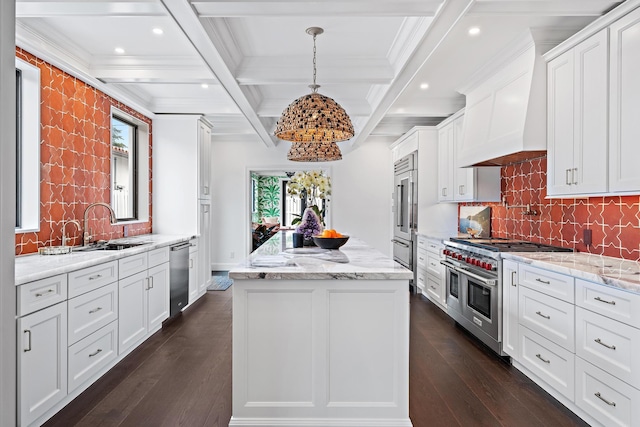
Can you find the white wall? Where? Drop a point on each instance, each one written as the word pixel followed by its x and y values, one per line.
pixel 7 215
pixel 362 183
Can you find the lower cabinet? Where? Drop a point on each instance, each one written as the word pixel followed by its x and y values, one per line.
pixel 143 304
pixel 90 355
pixel 431 272
pixel 42 362
pixel 193 271
pixel 510 323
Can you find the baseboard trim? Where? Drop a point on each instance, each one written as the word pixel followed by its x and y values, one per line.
pixel 318 422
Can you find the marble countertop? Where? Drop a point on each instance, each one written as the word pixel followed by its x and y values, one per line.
pixel 277 259
pixel 615 272
pixel 435 235
pixel 35 266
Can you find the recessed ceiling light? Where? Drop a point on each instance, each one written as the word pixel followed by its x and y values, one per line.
pixel 424 86
pixel 204 85
pixel 158 31
pixel 119 50
pixel 474 31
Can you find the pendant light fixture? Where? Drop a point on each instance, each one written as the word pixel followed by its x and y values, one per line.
pixel 314 122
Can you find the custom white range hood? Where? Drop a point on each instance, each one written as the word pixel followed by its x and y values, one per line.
pixel 505 116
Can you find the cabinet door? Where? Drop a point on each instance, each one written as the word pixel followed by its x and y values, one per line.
pixel 158 295
pixel 463 178
pixel 510 308
pixel 193 277
pixel 204 248
pixel 132 310
pixel 204 159
pixel 560 127
pixel 445 164
pixel 624 104
pixel 589 174
pixel 42 362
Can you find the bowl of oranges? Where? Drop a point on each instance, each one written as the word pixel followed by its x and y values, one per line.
pixel 330 239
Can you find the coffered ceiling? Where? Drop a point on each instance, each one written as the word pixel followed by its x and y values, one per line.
pixel 242 62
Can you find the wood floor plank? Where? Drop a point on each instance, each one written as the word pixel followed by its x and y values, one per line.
pixel 181 376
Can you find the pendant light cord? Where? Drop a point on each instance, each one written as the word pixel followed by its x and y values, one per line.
pixel 314 87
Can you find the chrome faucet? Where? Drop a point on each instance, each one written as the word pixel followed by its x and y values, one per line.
pixel 64 226
pixel 87 234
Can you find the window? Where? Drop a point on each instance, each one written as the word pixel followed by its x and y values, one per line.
pixel 291 205
pixel 27 147
pixel 124 182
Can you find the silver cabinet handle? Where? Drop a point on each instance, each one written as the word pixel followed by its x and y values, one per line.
pixel 543 359
pixel 574 172
pixel 543 315
pixel 566 176
pixel 460 190
pixel 97 276
pixel 206 189
pixel 151 282
pixel 146 279
pixel 27 331
pixel 513 278
pixel 599 341
pixel 96 352
pixel 95 310
pixel 444 191
pixel 191 263
pixel 546 282
pixel 41 294
pixel 605 301
pixel 608 402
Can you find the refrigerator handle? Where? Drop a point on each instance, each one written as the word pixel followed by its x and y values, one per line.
pixel 398 206
pixel 410 206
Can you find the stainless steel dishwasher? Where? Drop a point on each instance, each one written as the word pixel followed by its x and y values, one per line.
pixel 179 278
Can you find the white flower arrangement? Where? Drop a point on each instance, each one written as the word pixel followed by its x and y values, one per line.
pixel 312 184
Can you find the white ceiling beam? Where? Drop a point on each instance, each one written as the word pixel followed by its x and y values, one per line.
pixel 298 71
pixel 104 8
pixel 543 7
pixel 343 8
pixel 138 69
pixel 186 18
pixel 193 106
pixel 448 16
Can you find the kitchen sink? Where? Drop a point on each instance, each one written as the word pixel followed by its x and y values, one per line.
pixel 107 246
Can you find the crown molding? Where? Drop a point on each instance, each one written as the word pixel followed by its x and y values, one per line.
pixel 43 9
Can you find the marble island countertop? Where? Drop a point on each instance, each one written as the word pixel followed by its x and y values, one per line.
pixel 35 266
pixel 615 272
pixel 277 259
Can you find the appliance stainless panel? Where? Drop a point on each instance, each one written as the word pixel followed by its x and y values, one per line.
pixel 178 278
pixel 405 202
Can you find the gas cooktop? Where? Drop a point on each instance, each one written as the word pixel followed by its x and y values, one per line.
pixel 508 245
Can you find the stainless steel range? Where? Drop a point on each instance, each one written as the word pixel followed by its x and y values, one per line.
pixel 474 283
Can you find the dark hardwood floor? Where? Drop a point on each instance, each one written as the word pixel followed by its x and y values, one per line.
pixel 182 377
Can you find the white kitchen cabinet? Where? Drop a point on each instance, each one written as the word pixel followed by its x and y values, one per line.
pixel 577 84
pixel 430 272
pixel 42 362
pixel 193 271
pixel 459 184
pixel 510 308
pixel 182 183
pixel 624 102
pixel 143 305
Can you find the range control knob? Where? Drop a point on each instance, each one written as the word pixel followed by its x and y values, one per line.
pixel 459 257
pixel 490 266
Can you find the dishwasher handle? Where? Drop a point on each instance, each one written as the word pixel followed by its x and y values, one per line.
pixel 180 247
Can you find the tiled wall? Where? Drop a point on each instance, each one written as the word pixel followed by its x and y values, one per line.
pixel 613 221
pixel 74 158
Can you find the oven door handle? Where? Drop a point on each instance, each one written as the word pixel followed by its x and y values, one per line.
pixel 483 280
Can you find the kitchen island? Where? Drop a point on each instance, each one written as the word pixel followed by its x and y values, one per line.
pixel 320 338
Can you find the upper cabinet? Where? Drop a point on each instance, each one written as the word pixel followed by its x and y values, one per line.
pixel 577 119
pixel 457 183
pixel 204 159
pixel 624 101
pixel 593 98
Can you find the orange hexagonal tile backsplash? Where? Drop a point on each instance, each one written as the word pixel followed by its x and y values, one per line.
pixel 74 158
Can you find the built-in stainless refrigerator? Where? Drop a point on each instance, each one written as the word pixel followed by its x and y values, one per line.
pixel 405 212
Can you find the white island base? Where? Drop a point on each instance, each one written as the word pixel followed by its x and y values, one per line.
pixel 320 353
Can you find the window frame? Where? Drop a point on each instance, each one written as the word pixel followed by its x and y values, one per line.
pixel 133 152
pixel 28 166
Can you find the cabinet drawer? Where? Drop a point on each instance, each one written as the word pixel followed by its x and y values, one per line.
pixel 422 258
pixel 434 288
pixel 606 398
pixel 547 282
pixel 132 264
pixel 422 279
pixel 34 296
pixel 552 363
pixel 609 344
pixel 433 265
pixel 193 245
pixel 90 355
pixel 88 279
pixel 614 303
pixel 434 246
pixel 92 311
pixel 158 256
pixel 422 243
pixel 548 316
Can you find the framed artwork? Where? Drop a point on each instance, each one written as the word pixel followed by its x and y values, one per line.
pixel 475 222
